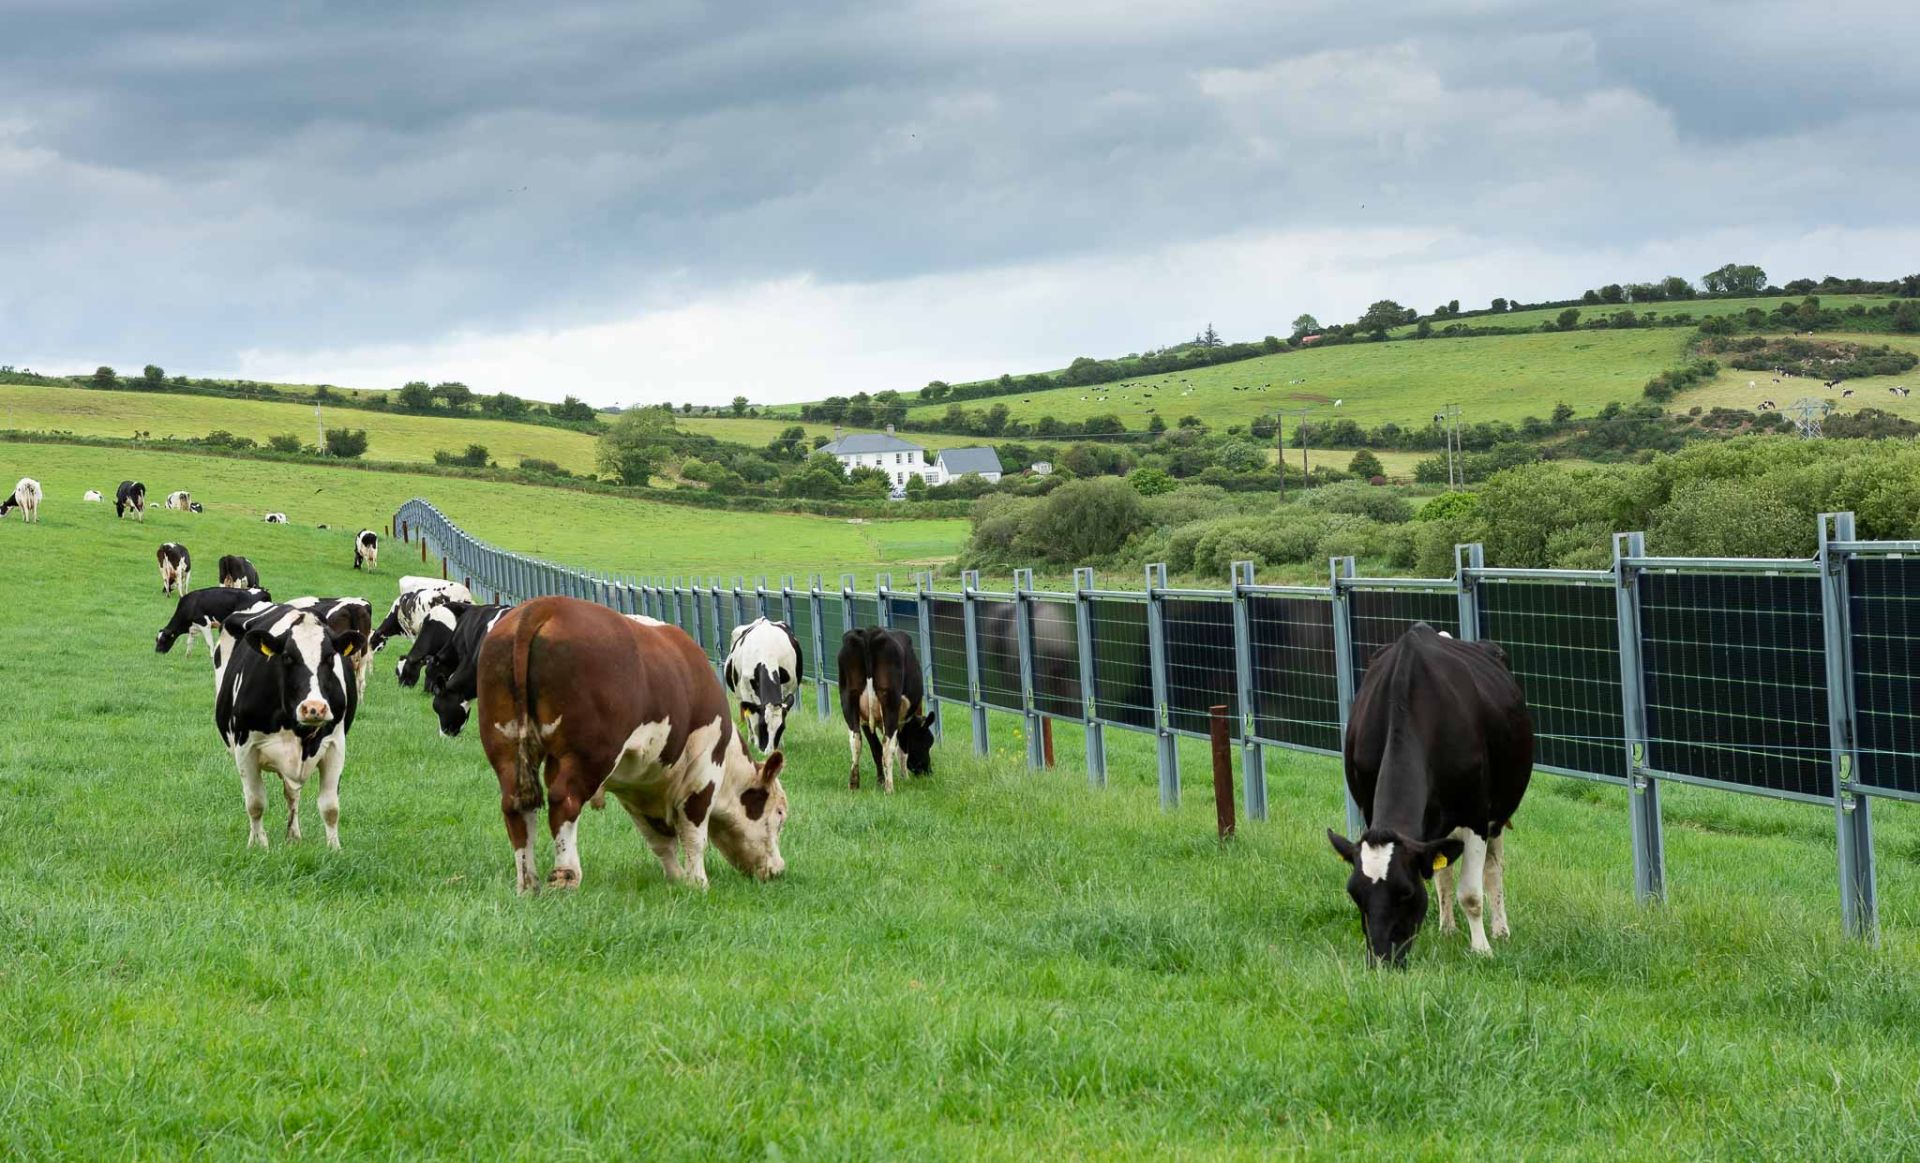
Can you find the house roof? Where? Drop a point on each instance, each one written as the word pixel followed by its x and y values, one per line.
pixel 866 443
pixel 959 461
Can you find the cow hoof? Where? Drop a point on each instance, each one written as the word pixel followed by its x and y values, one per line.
pixel 1501 932
pixel 563 878
pixel 853 782
pixel 1483 951
pixel 599 800
pixel 887 787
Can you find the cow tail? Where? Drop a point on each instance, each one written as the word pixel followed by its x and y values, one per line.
pixel 529 754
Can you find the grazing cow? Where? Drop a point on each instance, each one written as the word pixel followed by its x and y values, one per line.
pixel 283 704
pixel 131 495
pixel 585 699
pixel 881 697
pixel 180 501
pixel 176 568
pixel 196 507
pixel 276 518
pixel 409 610
pixel 763 672
pixel 237 571
pixel 25 497
pixel 366 550
pixel 93 495
pixel 1439 750
pixel 203 612
pixel 454 632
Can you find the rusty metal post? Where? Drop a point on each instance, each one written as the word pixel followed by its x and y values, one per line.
pixel 443 568
pixel 423 549
pixel 1046 740
pixel 1222 770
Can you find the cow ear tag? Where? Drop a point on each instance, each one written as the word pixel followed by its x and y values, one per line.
pixel 265 650
pixel 1439 861
pixel 347 650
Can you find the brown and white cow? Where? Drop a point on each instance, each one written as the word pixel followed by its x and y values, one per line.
pixel 582 699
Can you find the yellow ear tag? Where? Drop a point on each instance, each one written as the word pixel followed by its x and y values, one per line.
pixel 264 652
pixel 1439 861
pixel 347 650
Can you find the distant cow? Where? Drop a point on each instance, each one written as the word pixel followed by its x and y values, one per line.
pixel 1439 749
pixel 180 501
pixel 202 612
pixel 583 699
pixel 283 703
pixel 276 518
pixel 131 497
pixel 764 671
pixel 237 571
pixel 26 498
pixel 409 610
pixel 93 495
pixel 176 568
pixel 366 550
pixel 882 696
pixel 453 633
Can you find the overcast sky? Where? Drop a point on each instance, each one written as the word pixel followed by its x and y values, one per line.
pixel 638 202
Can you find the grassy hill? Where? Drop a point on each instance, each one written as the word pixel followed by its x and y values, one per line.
pixel 610 533
pixel 989 963
pixel 758 432
pixel 1698 308
pixel 1729 389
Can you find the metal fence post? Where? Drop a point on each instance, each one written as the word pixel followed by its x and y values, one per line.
pixel 848 610
pixel 1466 559
pixel 1341 570
pixel 977 711
pixel 1083 625
pixel 1253 757
pixel 679 619
pixel 1643 791
pixel 1023 637
pixel 739 604
pixel 882 589
pixel 923 586
pixel 816 615
pixel 786 606
pixel 1853 820
pixel 1166 746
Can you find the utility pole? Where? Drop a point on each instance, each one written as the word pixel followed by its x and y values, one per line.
pixel 319 429
pixel 1280 450
pixel 1449 422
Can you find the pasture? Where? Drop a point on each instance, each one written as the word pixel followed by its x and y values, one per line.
pixel 573 528
pixel 1698 308
pixel 990 963
pixel 1729 389
pixel 1505 377
pixel 757 432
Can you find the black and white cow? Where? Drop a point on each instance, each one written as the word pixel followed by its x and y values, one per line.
pixel 882 696
pixel 180 501
pixel 366 550
pixel 196 507
pixel 283 703
pixel 1439 750
pixel 410 609
pixel 93 495
pixel 451 675
pixel 203 612
pixel 131 497
pixel 238 572
pixel 176 568
pixel 436 633
pixel 276 518
pixel 26 498
pixel 763 675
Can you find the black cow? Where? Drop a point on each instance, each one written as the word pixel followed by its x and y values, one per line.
pixel 203 611
pixel 1439 750
pixel 283 703
pixel 882 696
pixel 452 677
pixel 238 572
pixel 131 495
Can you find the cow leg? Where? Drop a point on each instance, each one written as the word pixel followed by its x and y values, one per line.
pixel 567 794
pixel 1497 885
pixel 853 773
pixel 662 837
pixel 520 838
pixel 1473 890
pixel 255 790
pixel 292 792
pixel 1443 888
pixel 327 795
pixel 881 751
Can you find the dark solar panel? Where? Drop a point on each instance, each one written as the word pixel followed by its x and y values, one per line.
pixel 949 649
pixel 1056 660
pixel 1884 602
pixel 1200 663
pixel 1123 674
pixel 1380 617
pixel 1296 694
pixel 1563 645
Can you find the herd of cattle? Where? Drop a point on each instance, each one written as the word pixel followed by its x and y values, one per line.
pixel 577 701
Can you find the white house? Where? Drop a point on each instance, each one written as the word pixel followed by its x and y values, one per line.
pixel 954 463
pixel 899 459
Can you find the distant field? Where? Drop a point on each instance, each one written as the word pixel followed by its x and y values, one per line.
pixel 1698 308
pixel 1397 464
pixel 390 436
pixel 1729 389
pixel 1493 378
pixel 611 533
pixel 759 432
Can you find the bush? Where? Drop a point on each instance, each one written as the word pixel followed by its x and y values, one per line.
pixel 1366 465
pixel 1151 482
pixel 1447 506
pixel 346 443
pixel 1083 520
pixel 474 457
pixel 1360 499
pixel 285 442
pixel 534 464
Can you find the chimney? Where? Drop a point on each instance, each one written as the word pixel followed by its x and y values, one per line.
pixel 889 430
pixel 836 432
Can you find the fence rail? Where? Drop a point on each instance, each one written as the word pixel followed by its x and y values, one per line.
pixel 1796 679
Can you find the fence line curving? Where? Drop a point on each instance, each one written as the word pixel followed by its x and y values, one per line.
pixel 1797 679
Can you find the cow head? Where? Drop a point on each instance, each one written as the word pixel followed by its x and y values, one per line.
pixel 915 739
pixel 1389 886
pixel 436 632
pixel 769 713
pixel 746 823
pixel 309 666
pixel 452 711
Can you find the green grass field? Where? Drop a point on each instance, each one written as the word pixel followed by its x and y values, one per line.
pixel 1729 389
pixel 1698 308
pixel 988 964
pixel 581 529
pixel 758 432
pixel 1491 378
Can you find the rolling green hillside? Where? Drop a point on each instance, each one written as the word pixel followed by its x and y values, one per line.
pixel 1729 389
pixel 611 533
pixel 758 432
pixel 1698 308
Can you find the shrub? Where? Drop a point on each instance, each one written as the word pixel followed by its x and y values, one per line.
pixel 1151 482
pixel 346 443
pixel 1083 520
pixel 285 442
pixel 1366 465
pixel 1388 508
pixel 534 464
pixel 1449 505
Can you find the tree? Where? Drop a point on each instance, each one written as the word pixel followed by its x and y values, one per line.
pixel 1612 293
pixel 1156 425
pixel 345 443
pixel 415 397
pixel 456 396
pixel 1272 344
pixel 1305 325
pixel 1084 519
pixel 1151 482
pixel 105 379
pixel 1591 298
pixel 155 377
pixel 869 481
pixel 1209 338
pixel 1734 279
pixel 739 405
pixel 1423 331
pixel 936 390
pixel 573 409
pixel 1562 413
pixel 1568 319
pixel 633 444
pixel 1676 287
pixel 285 442
pixel 503 405
pixel 1366 465
pixel 1910 287
pixel 686 409
pixel 1499 305
pixel 1382 315
pixel 916 488
pixel 995 420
